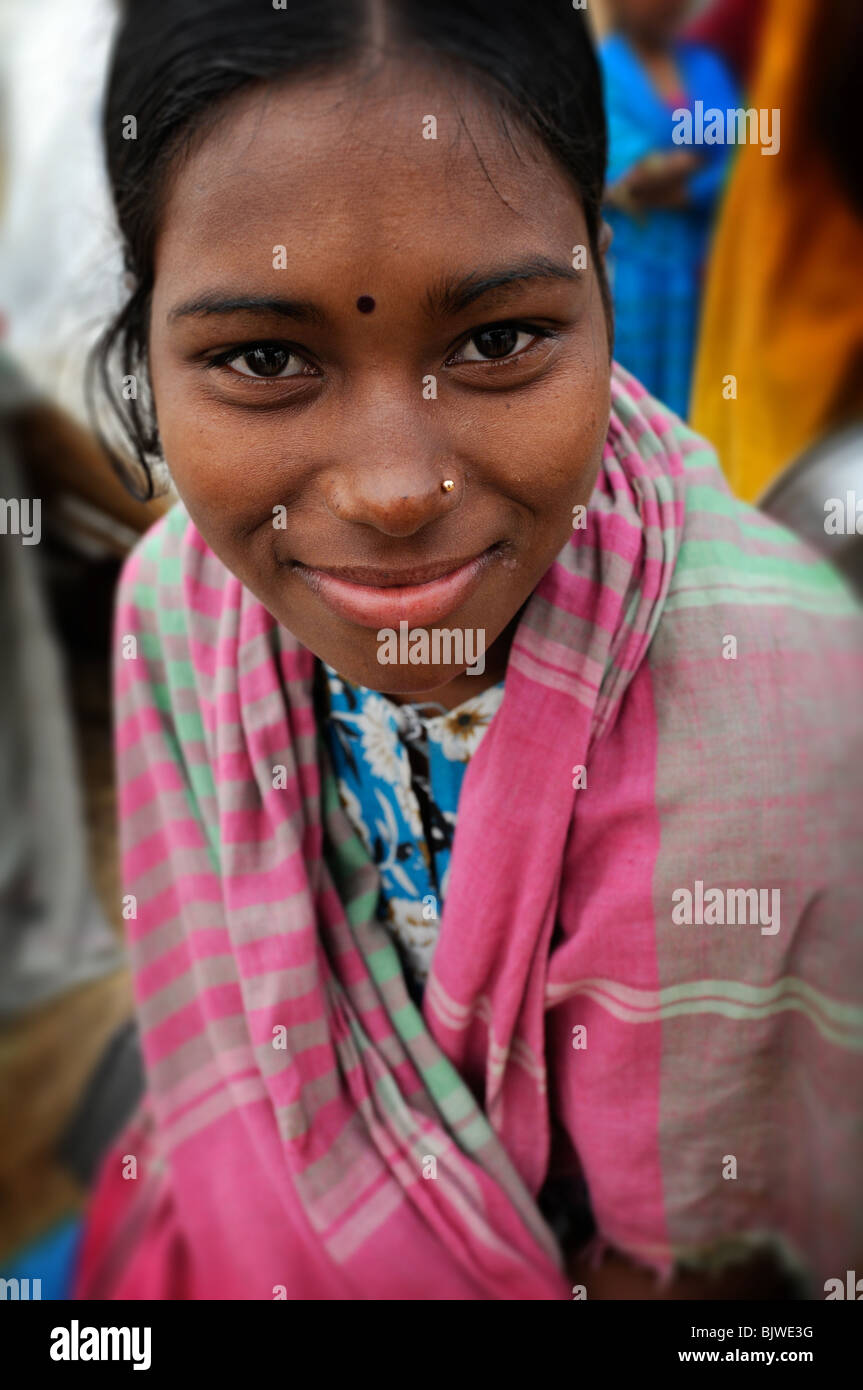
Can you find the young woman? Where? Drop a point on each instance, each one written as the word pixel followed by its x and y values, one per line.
pixel 454 672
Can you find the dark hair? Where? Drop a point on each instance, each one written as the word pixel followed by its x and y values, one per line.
pixel 175 61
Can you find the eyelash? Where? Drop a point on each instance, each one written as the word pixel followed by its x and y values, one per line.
pixel 517 325
pixel 224 359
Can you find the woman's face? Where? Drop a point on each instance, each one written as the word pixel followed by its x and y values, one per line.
pixel 347 313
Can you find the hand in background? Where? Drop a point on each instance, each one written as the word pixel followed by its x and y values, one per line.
pixel 659 180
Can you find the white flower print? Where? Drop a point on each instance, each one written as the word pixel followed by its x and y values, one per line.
pixel 379 739
pixel 418 937
pixel 461 730
pixel 407 804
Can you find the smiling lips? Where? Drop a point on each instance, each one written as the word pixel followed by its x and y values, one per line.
pixel 380 598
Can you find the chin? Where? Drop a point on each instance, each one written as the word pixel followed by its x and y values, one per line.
pixel 415 681
pixel 416 662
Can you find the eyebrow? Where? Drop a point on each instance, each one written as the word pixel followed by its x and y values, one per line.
pixel 215 303
pixel 445 299
pixel 450 297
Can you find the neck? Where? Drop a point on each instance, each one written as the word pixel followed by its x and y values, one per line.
pixel 463 687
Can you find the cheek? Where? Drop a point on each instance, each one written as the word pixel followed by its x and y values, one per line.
pixel 539 449
pixel 548 446
pixel 213 459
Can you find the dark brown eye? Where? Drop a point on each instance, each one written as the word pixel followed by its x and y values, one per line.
pixel 266 361
pixel 496 342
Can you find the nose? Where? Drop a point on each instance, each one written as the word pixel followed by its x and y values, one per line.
pixel 392 465
pixel 397 501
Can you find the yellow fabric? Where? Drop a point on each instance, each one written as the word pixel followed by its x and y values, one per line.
pixel 783 308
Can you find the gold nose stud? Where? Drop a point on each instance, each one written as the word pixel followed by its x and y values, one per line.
pixel 448 485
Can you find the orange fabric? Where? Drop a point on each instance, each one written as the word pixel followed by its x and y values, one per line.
pixel 783 308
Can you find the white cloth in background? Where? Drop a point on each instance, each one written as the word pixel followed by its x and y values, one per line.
pixel 60 264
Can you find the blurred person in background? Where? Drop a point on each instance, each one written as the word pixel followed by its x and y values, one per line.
pixel 783 310
pixel 661 197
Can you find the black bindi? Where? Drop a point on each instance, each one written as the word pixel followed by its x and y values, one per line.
pixel 365 304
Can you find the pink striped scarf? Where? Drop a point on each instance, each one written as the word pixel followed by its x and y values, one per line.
pixel 307 1131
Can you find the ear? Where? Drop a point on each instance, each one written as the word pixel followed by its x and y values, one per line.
pixel 605 235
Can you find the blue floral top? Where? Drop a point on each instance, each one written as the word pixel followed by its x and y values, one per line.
pixel 399 770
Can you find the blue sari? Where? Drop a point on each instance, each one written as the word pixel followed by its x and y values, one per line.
pixel 656 259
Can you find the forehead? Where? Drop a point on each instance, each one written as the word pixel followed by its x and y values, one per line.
pixel 350 170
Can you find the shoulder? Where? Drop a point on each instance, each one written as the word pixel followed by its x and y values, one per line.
pixel 749 688
pixel 732 554
pixel 719 553
pixel 760 643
